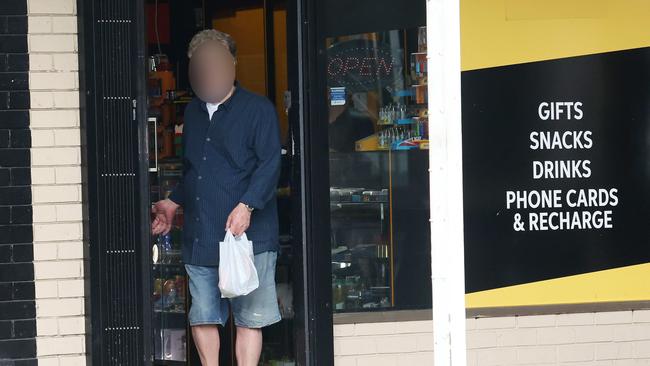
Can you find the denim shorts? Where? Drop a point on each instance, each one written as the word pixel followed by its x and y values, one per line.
pixel 255 310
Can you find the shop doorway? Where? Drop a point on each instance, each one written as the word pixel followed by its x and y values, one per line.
pixel 133 87
pixel 259 28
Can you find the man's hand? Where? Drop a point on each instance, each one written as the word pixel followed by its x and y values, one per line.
pixel 238 220
pixel 163 212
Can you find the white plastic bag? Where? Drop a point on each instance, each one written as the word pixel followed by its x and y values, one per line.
pixel 237 273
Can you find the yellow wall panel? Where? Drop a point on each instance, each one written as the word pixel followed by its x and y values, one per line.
pixel 506 32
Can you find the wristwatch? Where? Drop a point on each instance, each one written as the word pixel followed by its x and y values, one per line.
pixel 249 208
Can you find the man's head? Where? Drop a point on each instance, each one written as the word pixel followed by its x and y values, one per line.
pixel 212 64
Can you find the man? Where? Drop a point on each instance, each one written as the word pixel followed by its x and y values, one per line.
pixel 231 166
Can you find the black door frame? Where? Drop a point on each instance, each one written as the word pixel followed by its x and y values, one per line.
pixel 114 182
pixel 312 292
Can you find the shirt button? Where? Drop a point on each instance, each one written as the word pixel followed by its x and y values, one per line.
pixel 197 198
pixel 200 177
pixel 207 139
pixel 204 158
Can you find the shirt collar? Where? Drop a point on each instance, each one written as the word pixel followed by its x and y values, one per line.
pixel 227 104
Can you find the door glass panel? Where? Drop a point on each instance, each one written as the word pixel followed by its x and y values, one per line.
pixel 378 156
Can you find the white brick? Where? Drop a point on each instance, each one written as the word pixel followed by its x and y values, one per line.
pixel 642 350
pixel 53 81
pixel 62 193
pixel 42 138
pixel 73 360
pixel 470 324
pixel 575 319
pixel 58 269
pixel 481 339
pixel 377 360
pixel 614 351
pixel 496 356
pixel 41 99
pixel 40 62
pixel 70 174
pixel 536 355
pixel 576 352
pixel 70 250
pixel 424 342
pixel 345 361
pixel 560 335
pixel 39 24
pixel 64 24
pixel 641 316
pixel 52 7
pixel 588 363
pixel 412 359
pixel 46 326
pixel 44 213
pixel 66 61
pixel 45 251
pixel 48 361
pixel 613 317
pixel 53 118
pixel 421 326
pixel 59 307
pixel 66 99
pixel 42 175
pixel 343 330
pixel 517 337
pixel 496 322
pixel 55 156
pixel 594 333
pixel 67 137
pixel 52 43
pixel 59 345
pixel 472 359
pixel 536 321
pixel 374 328
pixel 397 344
pixel 355 346
pixel 69 212
pixel 53 232
pixel 72 325
pixel 45 289
pixel 631 332
pixel 71 288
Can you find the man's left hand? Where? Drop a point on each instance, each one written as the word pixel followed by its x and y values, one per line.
pixel 238 220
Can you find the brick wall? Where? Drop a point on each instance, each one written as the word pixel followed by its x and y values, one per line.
pixel 17 308
pixel 618 338
pixel 56 182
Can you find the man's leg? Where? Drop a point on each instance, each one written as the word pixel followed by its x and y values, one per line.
pixel 206 338
pixel 248 346
pixel 206 312
pixel 256 310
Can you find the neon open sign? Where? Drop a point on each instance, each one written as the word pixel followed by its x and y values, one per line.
pixel 359 64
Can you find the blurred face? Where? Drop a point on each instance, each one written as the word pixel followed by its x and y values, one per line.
pixel 212 71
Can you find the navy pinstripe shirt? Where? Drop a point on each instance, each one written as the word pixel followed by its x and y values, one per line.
pixel 232 157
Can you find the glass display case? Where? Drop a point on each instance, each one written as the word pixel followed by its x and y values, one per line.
pixel 378 170
pixel 169 297
pixel 169 280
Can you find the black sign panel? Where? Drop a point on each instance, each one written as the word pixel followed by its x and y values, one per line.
pixel 556 168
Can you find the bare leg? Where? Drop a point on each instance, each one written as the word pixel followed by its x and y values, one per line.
pixel 249 346
pixel 206 338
